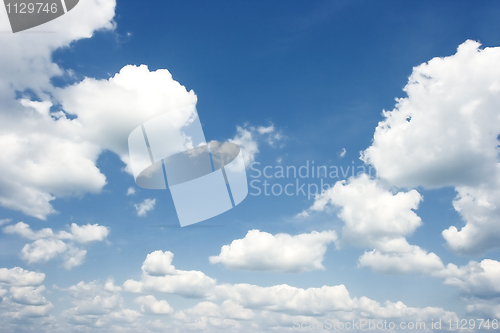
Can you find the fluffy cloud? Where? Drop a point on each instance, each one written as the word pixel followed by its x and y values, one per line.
pixel 158 275
pixel 480 208
pixel 99 306
pixel 23 297
pixel 478 279
pixel 144 207
pixel 261 251
pixel 445 134
pixel 376 218
pixel 149 304
pixel 43 153
pixel 48 245
pixel 19 277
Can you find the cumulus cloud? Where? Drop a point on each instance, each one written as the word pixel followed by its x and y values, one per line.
pixel 43 154
pixel 158 275
pixel 377 218
pixel 130 191
pixel 478 279
pixel 149 304
pixel 19 277
pixel 23 296
pixel 98 306
pixel 445 133
pixel 261 251
pixel 144 207
pixel 48 245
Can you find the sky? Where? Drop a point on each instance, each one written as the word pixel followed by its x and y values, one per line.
pixel 369 131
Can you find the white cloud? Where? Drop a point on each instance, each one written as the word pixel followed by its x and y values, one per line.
pixel 376 218
pixel 445 134
pixel 149 304
pixel 409 259
pixel 342 153
pixel 144 207
pixel 4 221
pixel 89 233
pixel 261 251
pixel 99 306
pixel 474 279
pixel 248 137
pixel 19 277
pixel 42 250
pixel 44 157
pixel 48 245
pixel 158 275
pixel 24 297
pixel 480 208
pixel 131 191
pixel 159 263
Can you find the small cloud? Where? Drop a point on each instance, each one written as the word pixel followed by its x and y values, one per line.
pixel 145 206
pixel 265 130
pixel 342 153
pixel 131 191
pixel 4 221
pixel 48 245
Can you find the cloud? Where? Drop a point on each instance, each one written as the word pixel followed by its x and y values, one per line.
pixel 480 208
pixel 408 259
pixel 445 133
pixel 48 245
pixel 478 279
pixel 144 207
pixel 4 221
pixel 149 304
pixel 43 155
pixel 377 218
pixel 23 297
pixel 19 277
pixel 342 153
pixel 130 191
pixel 248 137
pixel 158 275
pixel 261 251
pixel 98 306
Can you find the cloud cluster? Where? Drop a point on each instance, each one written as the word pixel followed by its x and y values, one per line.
pixel 99 306
pixel 23 296
pixel 48 245
pixel 261 251
pixel 445 133
pixel 159 275
pixel 379 219
pixel 44 155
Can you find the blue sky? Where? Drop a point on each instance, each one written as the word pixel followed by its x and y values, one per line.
pixel 291 82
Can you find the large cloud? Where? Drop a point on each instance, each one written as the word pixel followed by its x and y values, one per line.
pixel 23 297
pixel 377 218
pixel 44 157
pixel 445 133
pixel 261 251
